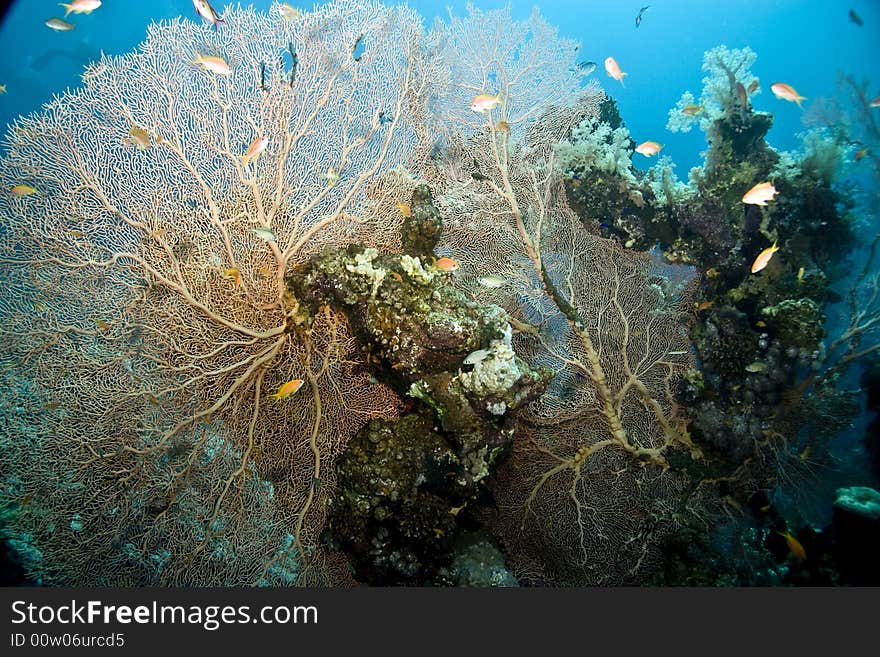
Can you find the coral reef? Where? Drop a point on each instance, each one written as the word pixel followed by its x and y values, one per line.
pixel 514 357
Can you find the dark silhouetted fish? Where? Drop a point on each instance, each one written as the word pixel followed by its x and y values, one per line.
pixel 855 18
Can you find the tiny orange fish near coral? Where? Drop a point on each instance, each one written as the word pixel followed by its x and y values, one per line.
pixel 760 194
pixel 445 264
pixel 287 389
pixel 405 209
pixel 648 148
pixel 253 151
pixel 786 92
pixel 485 102
pixel 234 275
pixel 216 65
pixel 794 545
pixel 613 69
pixel 23 190
pixel 764 258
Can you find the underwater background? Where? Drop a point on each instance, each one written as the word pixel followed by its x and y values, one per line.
pixel 510 345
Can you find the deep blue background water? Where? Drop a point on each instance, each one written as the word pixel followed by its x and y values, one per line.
pixel 802 42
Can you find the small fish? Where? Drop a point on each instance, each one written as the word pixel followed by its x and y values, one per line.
pixel 265 233
pixel 677 353
pixel 288 12
pixel 234 275
pixel 743 95
pixel 485 102
pixel 476 357
pixel 258 145
pixel 332 176
pixel 800 276
pixel 794 545
pixel 397 277
pixel 287 389
pixel 384 118
pixel 875 102
pixel 753 87
pixel 59 25
pixel 855 18
pixel 216 65
pixel 641 13
pixel 763 258
pixel 492 282
pixel 81 6
pixel 23 190
pixel 705 306
pixel 692 110
pixel 206 11
pixel 2 88
pixel 503 126
pixel 138 137
pixel 152 399
pixel 712 272
pixel 51 406
pixel 805 452
pixel 101 324
pixel 648 148
pixel 613 69
pixel 765 508
pixel 760 194
pixel 585 68
pixel 761 323
pixel 755 367
pixel 787 92
pixel 860 154
pixel 445 265
pixel 405 209
pixel 76 233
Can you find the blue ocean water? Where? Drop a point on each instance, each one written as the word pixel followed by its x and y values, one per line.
pixel 805 43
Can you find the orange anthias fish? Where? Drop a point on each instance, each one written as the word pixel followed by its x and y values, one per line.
pixel 613 69
pixel 787 92
pixel 234 275
pixel 860 154
pixel 753 87
pixel 692 110
pixel 763 258
pixel 503 126
pixel 287 389
pixel 445 264
pixel 81 6
pixel 216 65
pixel 139 138
pixel 23 190
pixel 760 194
pixel 648 148
pixel 405 209
pixel 206 11
pixel 794 545
pixel 485 102
pixel 875 102
pixel 257 146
